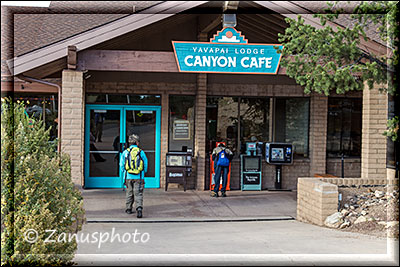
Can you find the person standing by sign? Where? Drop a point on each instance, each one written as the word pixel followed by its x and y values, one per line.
pixel 222 157
pixel 133 165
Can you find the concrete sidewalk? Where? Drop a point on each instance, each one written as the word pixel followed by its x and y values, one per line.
pixel 108 205
pixel 191 228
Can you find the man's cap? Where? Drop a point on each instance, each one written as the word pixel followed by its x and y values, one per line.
pixel 134 138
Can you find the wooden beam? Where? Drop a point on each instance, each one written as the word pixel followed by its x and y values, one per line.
pixel 263 31
pixel 274 19
pixel 114 60
pixel 250 29
pixel 117 60
pixel 25 87
pixel 217 21
pixel 47 69
pixel 261 23
pixel 71 57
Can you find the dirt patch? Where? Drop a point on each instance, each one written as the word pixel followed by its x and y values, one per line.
pixel 371 210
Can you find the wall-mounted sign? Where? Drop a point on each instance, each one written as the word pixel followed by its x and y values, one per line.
pixel 227 52
pixel 181 130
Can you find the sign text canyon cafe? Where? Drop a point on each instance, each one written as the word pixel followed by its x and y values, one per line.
pixel 227 52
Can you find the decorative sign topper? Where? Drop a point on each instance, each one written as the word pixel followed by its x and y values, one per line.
pixel 227 52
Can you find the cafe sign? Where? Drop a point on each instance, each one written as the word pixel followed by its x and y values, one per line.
pixel 227 52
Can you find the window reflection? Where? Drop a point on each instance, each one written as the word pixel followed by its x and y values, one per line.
pixel 95 98
pixel 181 122
pixel 254 121
pixel 344 127
pixel 222 122
pixel 41 107
pixel 292 123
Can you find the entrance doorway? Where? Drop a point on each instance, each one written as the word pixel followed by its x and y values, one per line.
pixel 107 128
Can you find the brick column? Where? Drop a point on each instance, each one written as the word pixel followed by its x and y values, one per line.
pixel 164 136
pixel 200 130
pixel 373 146
pixel 318 129
pixel 72 121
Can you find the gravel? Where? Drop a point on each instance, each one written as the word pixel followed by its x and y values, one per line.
pixel 370 210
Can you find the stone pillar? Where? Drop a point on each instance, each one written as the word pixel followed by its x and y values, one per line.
pixel 200 130
pixel 72 121
pixel 318 130
pixel 373 142
pixel 164 136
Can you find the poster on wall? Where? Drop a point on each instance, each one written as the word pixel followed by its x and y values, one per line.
pixel 181 130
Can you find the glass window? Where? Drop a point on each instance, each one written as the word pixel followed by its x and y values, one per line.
pixel 41 106
pixel 344 127
pixel 254 121
pixel 292 123
pixel 222 122
pixel 181 122
pixel 94 98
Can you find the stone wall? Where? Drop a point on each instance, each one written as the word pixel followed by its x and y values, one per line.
pixel 317 198
pixel 374 144
pixel 72 121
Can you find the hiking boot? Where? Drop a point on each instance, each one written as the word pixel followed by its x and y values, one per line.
pixel 213 194
pixel 128 211
pixel 223 194
pixel 139 212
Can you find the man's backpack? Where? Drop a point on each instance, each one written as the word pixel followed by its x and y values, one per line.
pixel 133 162
pixel 223 159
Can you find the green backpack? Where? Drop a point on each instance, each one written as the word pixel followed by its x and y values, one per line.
pixel 133 162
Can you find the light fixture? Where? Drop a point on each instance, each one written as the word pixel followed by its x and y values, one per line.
pixel 229 20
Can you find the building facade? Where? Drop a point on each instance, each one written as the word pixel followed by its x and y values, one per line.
pixel 120 77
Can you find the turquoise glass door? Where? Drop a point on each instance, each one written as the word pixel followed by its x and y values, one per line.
pixel 107 128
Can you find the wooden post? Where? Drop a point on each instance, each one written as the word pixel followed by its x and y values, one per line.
pixel 71 57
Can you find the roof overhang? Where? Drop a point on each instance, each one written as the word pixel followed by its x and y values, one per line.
pixel 54 55
pixel 57 51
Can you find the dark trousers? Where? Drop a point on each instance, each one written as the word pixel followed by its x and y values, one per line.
pixel 221 170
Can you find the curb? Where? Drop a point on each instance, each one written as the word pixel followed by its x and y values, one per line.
pixel 190 220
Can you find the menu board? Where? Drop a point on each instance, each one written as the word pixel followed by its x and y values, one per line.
pixel 181 130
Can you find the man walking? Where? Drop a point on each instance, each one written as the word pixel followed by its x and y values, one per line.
pixel 133 164
pixel 222 157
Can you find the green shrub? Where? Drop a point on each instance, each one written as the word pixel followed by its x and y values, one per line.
pixel 37 192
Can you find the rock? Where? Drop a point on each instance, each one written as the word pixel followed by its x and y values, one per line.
pixel 360 220
pixel 352 207
pixel 379 194
pixel 346 206
pixel 344 212
pixel 363 213
pixel 382 223
pixel 392 224
pixel 344 225
pixel 334 220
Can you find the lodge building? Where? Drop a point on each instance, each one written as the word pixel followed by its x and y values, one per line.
pixel 97 77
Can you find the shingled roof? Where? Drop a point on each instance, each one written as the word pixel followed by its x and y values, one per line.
pixel 24 29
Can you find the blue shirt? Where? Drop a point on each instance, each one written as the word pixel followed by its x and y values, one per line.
pixel 124 155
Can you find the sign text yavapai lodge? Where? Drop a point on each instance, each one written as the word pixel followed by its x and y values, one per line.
pixel 227 52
